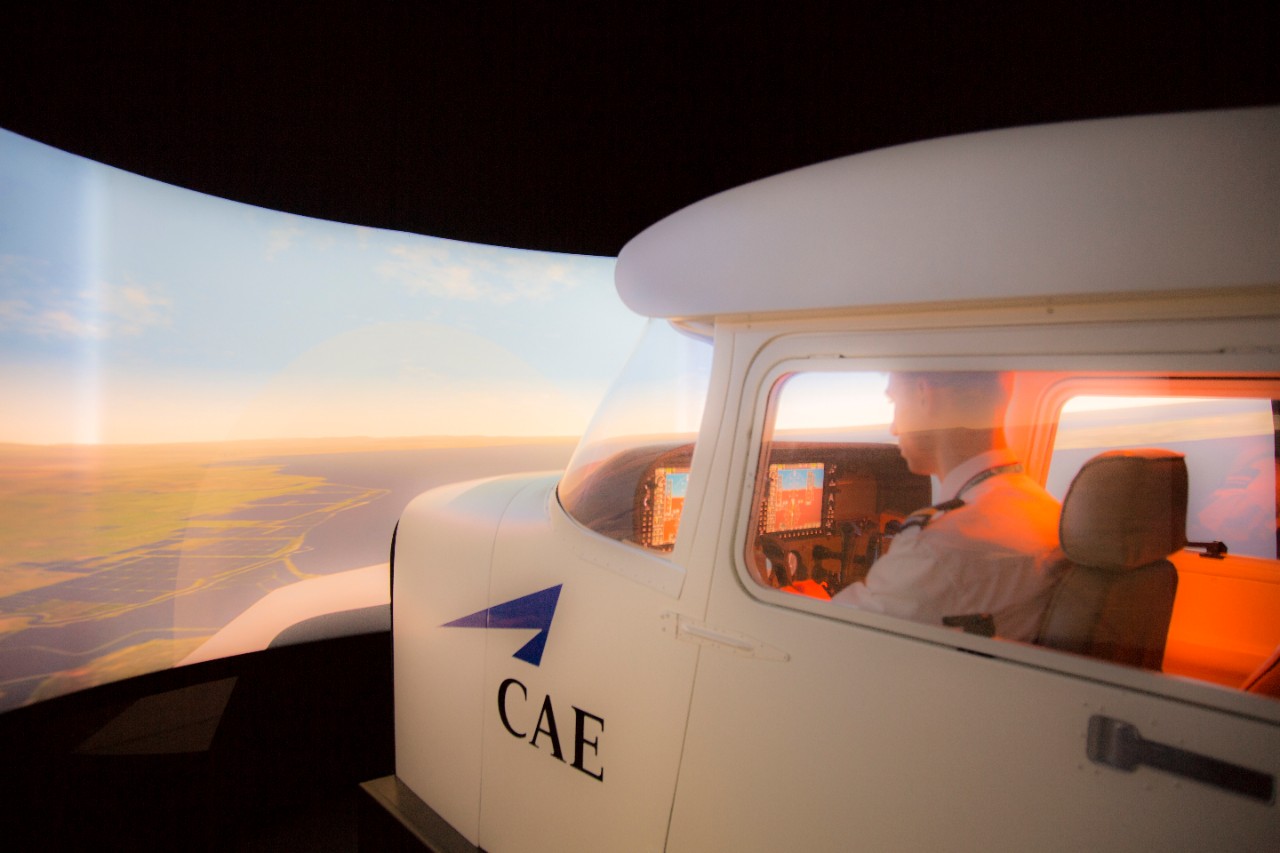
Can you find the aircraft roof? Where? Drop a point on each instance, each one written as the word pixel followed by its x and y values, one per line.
pixel 1148 203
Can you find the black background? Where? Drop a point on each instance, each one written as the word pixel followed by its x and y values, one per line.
pixel 572 126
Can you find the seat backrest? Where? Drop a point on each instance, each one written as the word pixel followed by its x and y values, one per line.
pixel 1125 513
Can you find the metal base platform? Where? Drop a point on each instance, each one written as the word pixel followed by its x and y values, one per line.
pixel 393 818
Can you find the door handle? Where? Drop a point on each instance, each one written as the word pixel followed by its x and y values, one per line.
pixel 1118 744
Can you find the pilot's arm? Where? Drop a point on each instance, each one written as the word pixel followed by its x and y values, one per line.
pixel 913 581
pixel 968 562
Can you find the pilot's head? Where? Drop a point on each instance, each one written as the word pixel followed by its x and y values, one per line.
pixel 941 415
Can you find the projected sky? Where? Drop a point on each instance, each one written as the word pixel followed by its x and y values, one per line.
pixel 136 312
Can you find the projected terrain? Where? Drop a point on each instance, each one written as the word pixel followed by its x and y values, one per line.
pixel 133 557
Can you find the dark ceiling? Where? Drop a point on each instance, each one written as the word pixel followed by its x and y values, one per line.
pixel 572 126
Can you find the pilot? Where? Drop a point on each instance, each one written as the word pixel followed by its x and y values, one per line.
pixel 990 546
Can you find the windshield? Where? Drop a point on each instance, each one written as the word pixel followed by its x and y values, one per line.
pixel 630 472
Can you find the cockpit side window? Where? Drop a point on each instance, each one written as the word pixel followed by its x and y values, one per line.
pixel 1033 506
pixel 629 475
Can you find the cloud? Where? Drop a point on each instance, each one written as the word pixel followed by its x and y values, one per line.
pixel 498 276
pixel 97 313
pixel 538 277
pixel 280 240
pixel 128 309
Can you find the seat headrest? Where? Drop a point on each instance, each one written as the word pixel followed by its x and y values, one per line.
pixel 1126 508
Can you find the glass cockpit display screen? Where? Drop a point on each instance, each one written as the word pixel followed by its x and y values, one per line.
pixel 664 495
pixel 795 497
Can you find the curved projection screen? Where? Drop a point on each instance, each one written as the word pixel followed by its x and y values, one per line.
pixel 214 414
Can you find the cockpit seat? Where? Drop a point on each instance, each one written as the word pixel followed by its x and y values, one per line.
pixel 1125 513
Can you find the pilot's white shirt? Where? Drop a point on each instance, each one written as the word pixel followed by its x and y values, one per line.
pixel 996 554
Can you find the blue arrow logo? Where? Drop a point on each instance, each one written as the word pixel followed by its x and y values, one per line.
pixel 531 611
